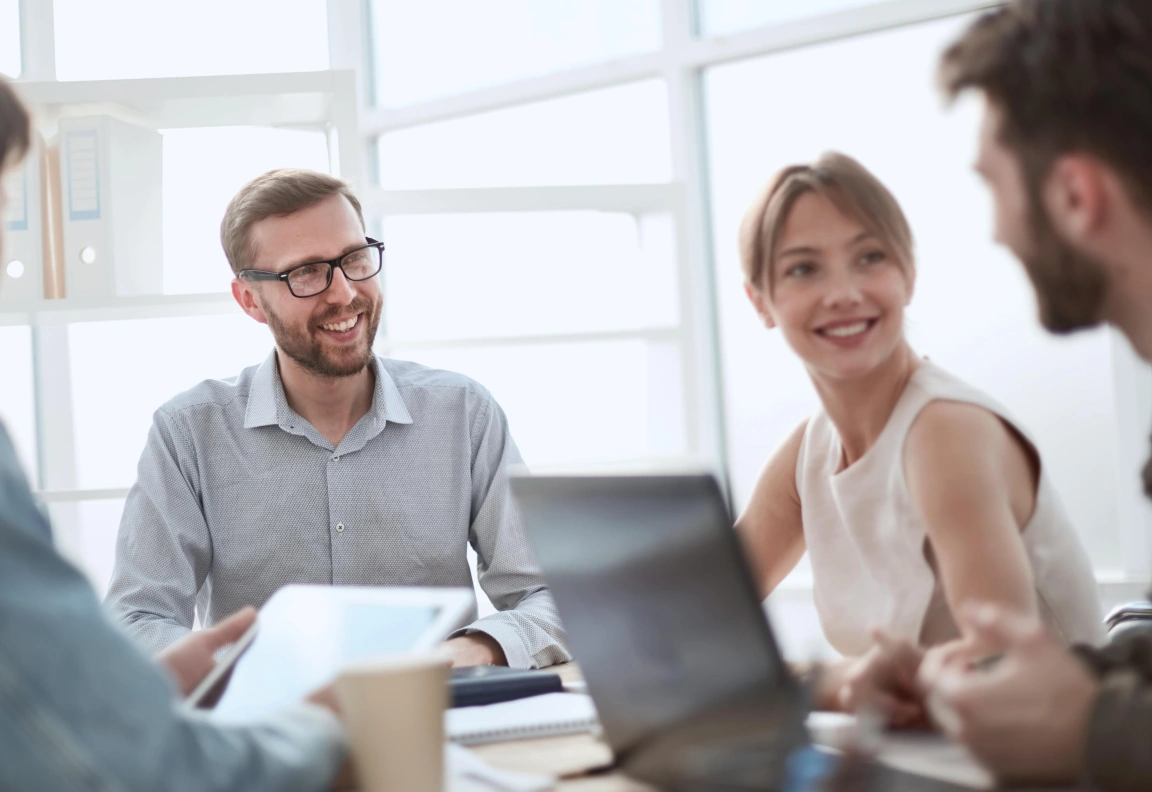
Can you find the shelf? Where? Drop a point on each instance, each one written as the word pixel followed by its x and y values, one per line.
pixel 296 98
pixel 39 313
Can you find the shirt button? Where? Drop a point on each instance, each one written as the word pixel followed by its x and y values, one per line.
pixel 339 527
pixel 336 458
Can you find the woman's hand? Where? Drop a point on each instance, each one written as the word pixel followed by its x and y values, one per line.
pixel 884 679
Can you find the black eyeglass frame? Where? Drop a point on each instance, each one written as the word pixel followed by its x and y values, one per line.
pixel 268 275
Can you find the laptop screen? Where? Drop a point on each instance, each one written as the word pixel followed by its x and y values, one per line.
pixel 658 602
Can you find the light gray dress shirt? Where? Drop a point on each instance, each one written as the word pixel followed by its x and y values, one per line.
pixel 237 495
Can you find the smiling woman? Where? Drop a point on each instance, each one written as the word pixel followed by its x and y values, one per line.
pixel 912 492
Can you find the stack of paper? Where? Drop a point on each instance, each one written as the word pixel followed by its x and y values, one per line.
pixel 539 716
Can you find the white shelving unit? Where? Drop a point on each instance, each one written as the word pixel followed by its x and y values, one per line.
pixel 328 101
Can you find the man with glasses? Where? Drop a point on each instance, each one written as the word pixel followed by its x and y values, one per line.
pixel 326 463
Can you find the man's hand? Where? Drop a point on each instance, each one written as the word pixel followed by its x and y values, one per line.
pixel 885 679
pixel 1025 715
pixel 191 658
pixel 474 649
pixel 346 779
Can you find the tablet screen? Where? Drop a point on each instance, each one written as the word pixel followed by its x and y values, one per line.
pixel 304 635
pixel 290 659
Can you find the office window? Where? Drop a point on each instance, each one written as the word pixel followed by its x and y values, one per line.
pixel 578 403
pixel 612 136
pixel 974 313
pixel 123 39
pixel 723 17
pixel 435 48
pixel 123 370
pixel 527 273
pixel 10 53
pixel 203 169
pixel 85 533
pixel 17 405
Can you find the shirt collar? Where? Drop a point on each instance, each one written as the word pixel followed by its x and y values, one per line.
pixel 268 404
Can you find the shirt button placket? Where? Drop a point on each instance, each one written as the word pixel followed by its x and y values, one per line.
pixel 337 504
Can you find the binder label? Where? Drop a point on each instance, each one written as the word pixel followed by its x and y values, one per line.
pixel 83 175
pixel 16 191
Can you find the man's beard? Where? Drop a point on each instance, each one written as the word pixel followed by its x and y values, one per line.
pixel 306 349
pixel 1070 287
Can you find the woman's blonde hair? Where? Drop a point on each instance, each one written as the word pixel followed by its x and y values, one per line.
pixel 848 185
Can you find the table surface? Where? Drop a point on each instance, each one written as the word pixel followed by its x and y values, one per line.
pixel 579 760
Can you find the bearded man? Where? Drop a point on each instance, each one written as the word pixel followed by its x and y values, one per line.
pixel 325 463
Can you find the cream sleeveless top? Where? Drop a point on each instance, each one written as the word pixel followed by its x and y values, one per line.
pixel 868 544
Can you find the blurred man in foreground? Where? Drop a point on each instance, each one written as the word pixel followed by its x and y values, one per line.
pixel 1066 150
pixel 80 706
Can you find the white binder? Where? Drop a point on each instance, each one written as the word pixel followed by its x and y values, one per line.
pixel 110 173
pixel 21 265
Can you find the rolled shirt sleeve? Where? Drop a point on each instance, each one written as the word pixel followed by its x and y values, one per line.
pixel 526 625
pixel 82 708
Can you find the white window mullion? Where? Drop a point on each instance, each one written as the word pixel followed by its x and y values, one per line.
pixel 55 436
pixel 79 495
pixel 870 18
pixel 632 198
pixel 37 40
pixel 1133 389
pixel 699 336
pixel 536 89
pixel 655 335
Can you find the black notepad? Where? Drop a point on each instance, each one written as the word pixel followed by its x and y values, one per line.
pixel 488 684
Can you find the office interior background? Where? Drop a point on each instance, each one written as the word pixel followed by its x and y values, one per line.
pixel 558 185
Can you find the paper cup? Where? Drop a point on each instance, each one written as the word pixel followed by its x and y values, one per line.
pixel 393 710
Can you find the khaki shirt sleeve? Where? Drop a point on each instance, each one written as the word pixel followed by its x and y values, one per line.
pixel 1118 756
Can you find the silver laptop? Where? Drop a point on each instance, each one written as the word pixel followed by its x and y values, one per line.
pixel 664 619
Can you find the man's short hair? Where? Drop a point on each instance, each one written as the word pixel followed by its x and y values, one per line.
pixel 1066 76
pixel 15 127
pixel 274 194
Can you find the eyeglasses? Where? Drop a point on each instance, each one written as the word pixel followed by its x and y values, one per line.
pixel 312 278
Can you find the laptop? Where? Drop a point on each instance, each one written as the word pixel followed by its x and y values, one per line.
pixel 663 616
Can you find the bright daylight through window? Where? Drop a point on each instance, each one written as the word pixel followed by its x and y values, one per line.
pixel 10 54
pixel 435 48
pixel 125 39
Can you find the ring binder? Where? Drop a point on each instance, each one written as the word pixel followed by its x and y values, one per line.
pixel 110 186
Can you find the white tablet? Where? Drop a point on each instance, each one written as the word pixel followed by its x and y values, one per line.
pixel 304 635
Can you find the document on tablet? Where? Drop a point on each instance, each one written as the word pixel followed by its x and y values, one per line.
pixel 304 635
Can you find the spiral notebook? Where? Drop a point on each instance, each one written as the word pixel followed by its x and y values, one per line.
pixel 539 716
